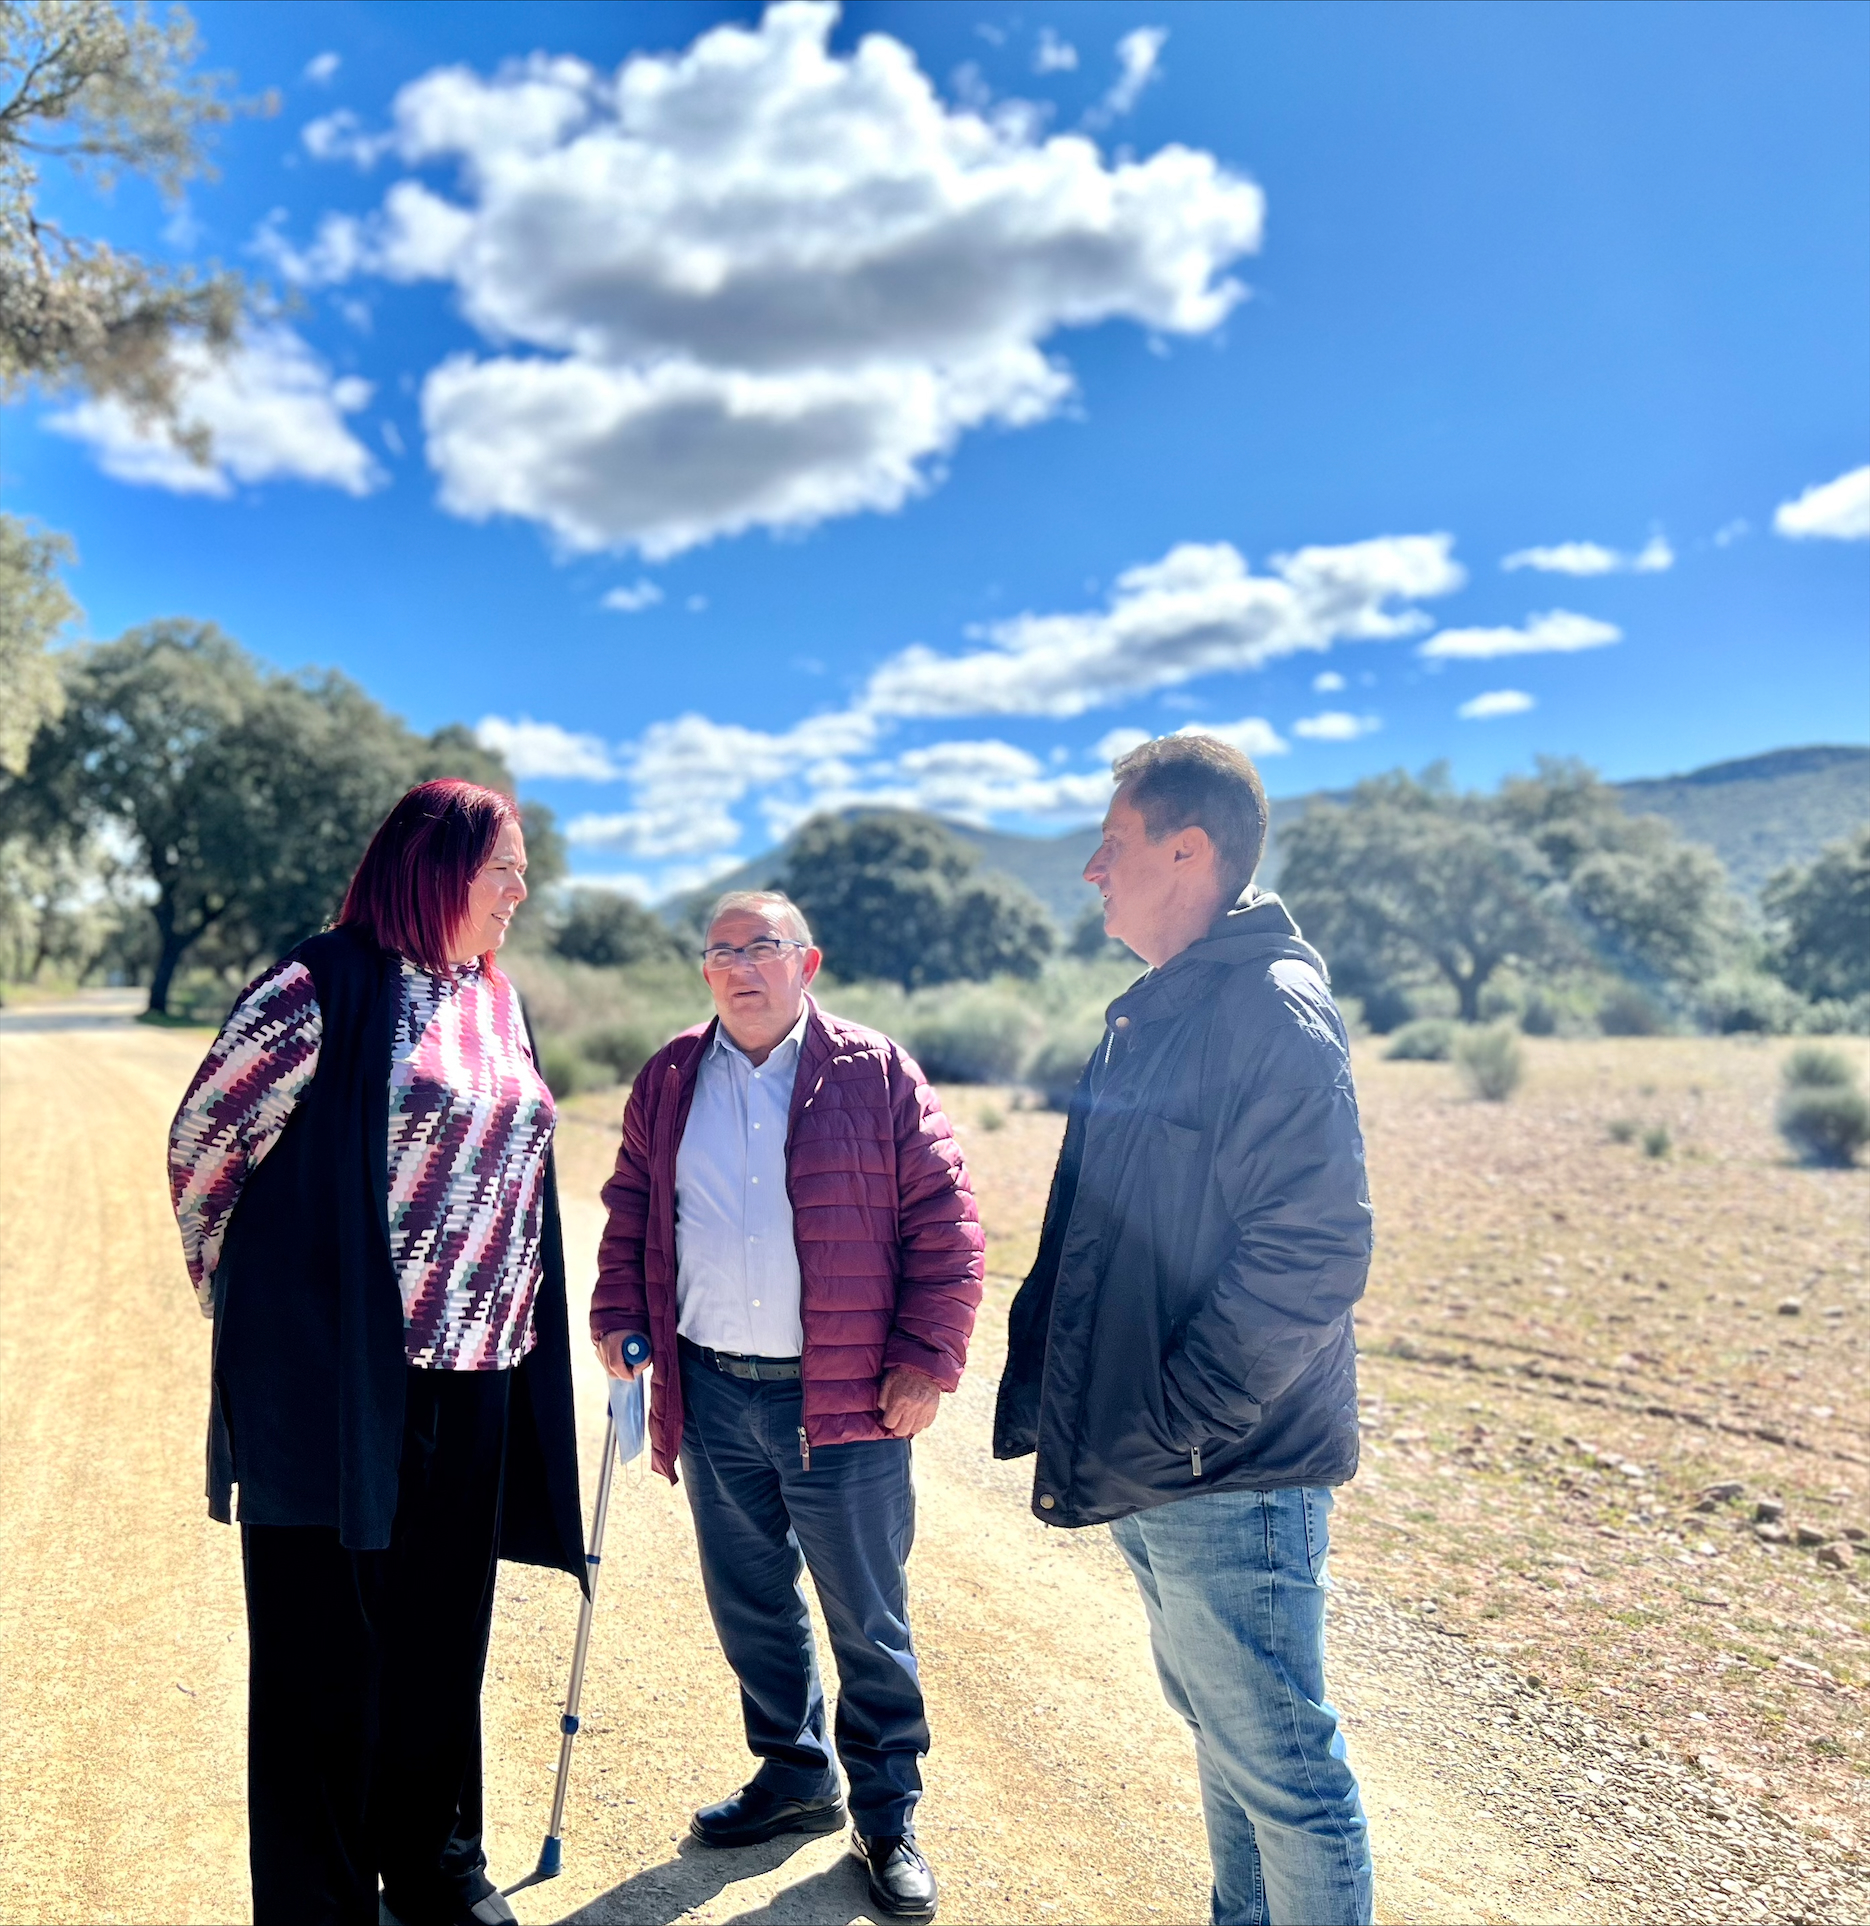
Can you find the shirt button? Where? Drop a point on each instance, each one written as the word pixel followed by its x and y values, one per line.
pixel 756 1180
pixel 756 1126
pixel 756 1303
pixel 1047 1502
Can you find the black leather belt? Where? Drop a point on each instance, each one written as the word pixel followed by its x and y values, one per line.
pixel 733 1364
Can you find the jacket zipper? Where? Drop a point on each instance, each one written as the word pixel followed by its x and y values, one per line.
pixel 805 1450
pixel 1194 1458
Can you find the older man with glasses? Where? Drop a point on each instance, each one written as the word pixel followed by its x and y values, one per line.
pixel 792 1229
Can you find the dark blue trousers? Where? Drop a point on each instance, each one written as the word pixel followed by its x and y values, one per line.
pixel 763 1520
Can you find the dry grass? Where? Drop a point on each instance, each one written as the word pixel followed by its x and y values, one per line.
pixel 1566 1341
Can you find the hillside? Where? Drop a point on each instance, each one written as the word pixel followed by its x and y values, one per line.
pixel 1763 812
pixel 1758 814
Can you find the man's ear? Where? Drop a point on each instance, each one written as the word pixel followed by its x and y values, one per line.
pixel 813 958
pixel 1193 843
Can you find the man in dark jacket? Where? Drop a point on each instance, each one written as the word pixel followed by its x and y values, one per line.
pixel 791 1227
pixel 1181 1356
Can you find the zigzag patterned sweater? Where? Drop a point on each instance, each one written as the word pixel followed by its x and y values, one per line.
pixel 470 1122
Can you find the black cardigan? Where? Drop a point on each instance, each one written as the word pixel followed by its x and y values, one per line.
pixel 306 1413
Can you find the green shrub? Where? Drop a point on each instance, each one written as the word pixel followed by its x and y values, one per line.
pixel 1657 1141
pixel 1626 1012
pixel 978 1034
pixel 1812 1068
pixel 1825 1123
pixel 1426 1040
pixel 1622 1130
pixel 1538 1016
pixel 1737 1003
pixel 1831 1016
pixel 622 1048
pixel 991 1117
pixel 565 1071
pixel 1060 1060
pixel 1491 1061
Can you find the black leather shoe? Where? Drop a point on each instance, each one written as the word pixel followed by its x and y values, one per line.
pixel 900 1881
pixel 754 1813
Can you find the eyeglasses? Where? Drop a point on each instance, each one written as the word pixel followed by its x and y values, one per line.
pixel 762 950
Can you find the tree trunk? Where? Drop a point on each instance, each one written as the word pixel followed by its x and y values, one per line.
pixel 173 949
pixel 1468 989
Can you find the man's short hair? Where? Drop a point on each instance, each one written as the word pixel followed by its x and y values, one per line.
pixel 774 903
pixel 1176 781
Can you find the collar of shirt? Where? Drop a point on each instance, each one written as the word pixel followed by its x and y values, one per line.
pixel 724 1044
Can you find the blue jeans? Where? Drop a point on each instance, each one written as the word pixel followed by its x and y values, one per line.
pixel 1234 1582
pixel 762 1519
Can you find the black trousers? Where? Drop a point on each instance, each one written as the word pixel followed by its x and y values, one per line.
pixel 363 1705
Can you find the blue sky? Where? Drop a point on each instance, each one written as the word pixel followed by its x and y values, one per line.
pixel 944 395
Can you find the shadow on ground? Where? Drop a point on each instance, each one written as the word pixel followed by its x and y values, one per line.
pixel 660 1895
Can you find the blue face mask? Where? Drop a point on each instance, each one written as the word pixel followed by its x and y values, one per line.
pixel 627 1407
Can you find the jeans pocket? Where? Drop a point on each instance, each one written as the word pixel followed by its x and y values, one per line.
pixel 1317 1503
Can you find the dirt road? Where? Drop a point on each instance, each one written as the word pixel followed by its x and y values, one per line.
pixel 1059 1788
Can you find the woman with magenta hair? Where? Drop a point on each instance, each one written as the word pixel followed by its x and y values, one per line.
pixel 362 1172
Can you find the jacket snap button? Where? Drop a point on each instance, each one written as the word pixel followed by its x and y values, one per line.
pixel 1047 1502
pixel 1123 1023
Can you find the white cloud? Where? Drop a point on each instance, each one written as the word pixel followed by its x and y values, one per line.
pixel 1118 742
pixel 341 136
pixel 274 410
pixel 533 749
pixel 322 68
pixel 757 283
pixel 1592 558
pixel 1198 611
pixel 1838 510
pixel 1496 702
pixel 1327 682
pixel 1557 632
pixel 641 595
pixel 1053 55
pixel 1138 59
pixel 1335 725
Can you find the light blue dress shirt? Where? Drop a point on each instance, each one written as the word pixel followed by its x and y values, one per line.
pixel 736 1266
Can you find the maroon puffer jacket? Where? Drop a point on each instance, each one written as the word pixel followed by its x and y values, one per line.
pixel 888 1237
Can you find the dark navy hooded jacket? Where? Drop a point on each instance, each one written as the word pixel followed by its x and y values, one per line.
pixel 1187 1324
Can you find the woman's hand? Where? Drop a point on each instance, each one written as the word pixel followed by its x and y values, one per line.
pixel 610 1356
pixel 908 1402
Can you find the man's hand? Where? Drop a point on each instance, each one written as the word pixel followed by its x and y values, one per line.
pixel 610 1356
pixel 909 1402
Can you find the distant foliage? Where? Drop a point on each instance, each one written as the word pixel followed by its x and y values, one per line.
pixel 1060 1060
pixel 622 1048
pixel 904 900
pixel 1626 1012
pixel 1657 1141
pixel 1538 1015
pixel 978 1034
pixel 1426 1040
pixel 600 927
pixel 1824 917
pixel 34 607
pixel 1621 1130
pixel 1408 881
pixel 247 795
pixel 1491 1062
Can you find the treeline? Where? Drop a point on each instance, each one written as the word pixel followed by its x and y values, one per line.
pixel 173 811
pixel 1548 903
pixel 179 810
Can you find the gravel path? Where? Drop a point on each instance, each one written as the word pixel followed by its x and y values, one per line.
pixel 1060 1788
